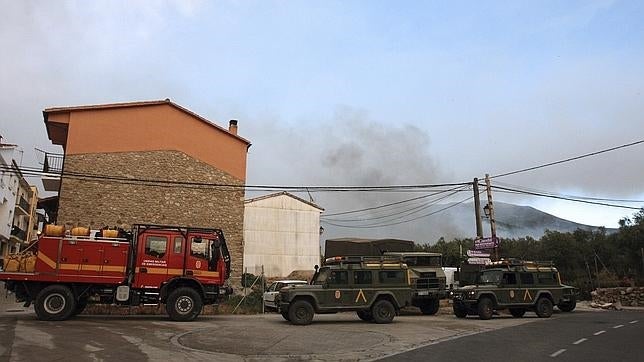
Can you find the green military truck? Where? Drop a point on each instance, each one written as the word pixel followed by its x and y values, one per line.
pixel 427 278
pixel 518 286
pixel 374 287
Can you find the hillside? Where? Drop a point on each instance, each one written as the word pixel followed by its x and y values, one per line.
pixel 513 221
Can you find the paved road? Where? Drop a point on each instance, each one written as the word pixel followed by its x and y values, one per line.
pixel 339 337
pixel 578 336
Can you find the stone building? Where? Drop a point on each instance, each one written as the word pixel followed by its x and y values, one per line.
pixel 149 162
pixel 281 234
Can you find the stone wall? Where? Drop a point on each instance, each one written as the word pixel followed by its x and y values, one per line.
pixel 102 202
pixel 627 296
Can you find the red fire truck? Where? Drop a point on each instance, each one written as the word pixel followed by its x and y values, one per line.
pixel 181 267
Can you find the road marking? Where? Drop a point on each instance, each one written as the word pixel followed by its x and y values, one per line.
pixel 558 353
pixel 618 326
pixel 598 333
pixel 632 322
pixel 580 341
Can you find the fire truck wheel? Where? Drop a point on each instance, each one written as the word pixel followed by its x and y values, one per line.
pixel 184 304
pixel 55 303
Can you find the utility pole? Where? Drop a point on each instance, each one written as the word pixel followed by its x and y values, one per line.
pixel 490 206
pixel 477 208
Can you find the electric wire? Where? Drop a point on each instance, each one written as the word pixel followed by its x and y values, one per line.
pixel 568 159
pixel 401 222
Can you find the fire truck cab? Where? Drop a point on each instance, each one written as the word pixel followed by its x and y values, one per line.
pixel 183 268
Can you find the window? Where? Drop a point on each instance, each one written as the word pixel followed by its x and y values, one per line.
pixel 547 278
pixel 392 276
pixel 526 278
pixel 362 277
pixel 509 278
pixel 200 248
pixel 339 277
pixel 177 244
pixel 155 246
pixel 272 287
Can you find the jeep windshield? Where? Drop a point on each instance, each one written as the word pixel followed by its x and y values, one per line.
pixel 490 277
pixel 321 276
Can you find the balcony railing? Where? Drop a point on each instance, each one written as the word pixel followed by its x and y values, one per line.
pixel 18 233
pixel 52 162
pixel 23 204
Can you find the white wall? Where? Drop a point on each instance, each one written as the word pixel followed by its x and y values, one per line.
pixel 282 234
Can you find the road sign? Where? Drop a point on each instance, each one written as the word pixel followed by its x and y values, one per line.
pixel 479 261
pixel 477 254
pixel 485 243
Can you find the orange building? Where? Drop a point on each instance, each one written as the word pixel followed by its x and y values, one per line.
pixel 149 162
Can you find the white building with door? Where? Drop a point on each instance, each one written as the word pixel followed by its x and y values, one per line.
pixel 281 233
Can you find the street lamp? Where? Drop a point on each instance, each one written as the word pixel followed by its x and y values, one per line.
pixel 486 210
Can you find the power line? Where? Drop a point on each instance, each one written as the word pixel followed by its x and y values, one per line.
pixel 390 204
pixel 571 196
pixel 568 159
pixel 564 198
pixel 401 222
pixel 403 213
pixel 172 183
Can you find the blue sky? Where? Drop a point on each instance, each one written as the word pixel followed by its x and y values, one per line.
pixel 463 88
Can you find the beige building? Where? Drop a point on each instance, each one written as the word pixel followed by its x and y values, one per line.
pixel 281 233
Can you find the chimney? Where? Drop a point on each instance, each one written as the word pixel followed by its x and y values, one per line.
pixel 232 126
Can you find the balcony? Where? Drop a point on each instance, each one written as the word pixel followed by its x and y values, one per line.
pixel 52 164
pixel 18 235
pixel 22 206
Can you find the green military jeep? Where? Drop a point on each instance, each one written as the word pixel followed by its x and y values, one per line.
pixel 374 287
pixel 518 286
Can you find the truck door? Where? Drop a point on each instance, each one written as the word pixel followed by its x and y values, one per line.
pixel 204 260
pixel 152 259
pixel 176 255
pixel 337 290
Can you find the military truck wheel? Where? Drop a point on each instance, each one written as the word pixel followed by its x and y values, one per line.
pixel 184 304
pixel 568 306
pixel 55 303
pixel 300 312
pixel 485 308
pixel 383 311
pixel 517 312
pixel 459 311
pixel 285 315
pixel 365 315
pixel 544 307
pixel 430 307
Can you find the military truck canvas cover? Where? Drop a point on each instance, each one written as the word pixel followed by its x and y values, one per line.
pixel 364 247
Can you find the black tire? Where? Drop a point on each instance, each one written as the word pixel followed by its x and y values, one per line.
pixel 460 311
pixel 430 307
pixel 383 311
pixel 184 304
pixel 517 312
pixel 485 308
pixel 285 315
pixel 365 315
pixel 80 306
pixel 543 308
pixel 300 312
pixel 55 303
pixel 568 306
